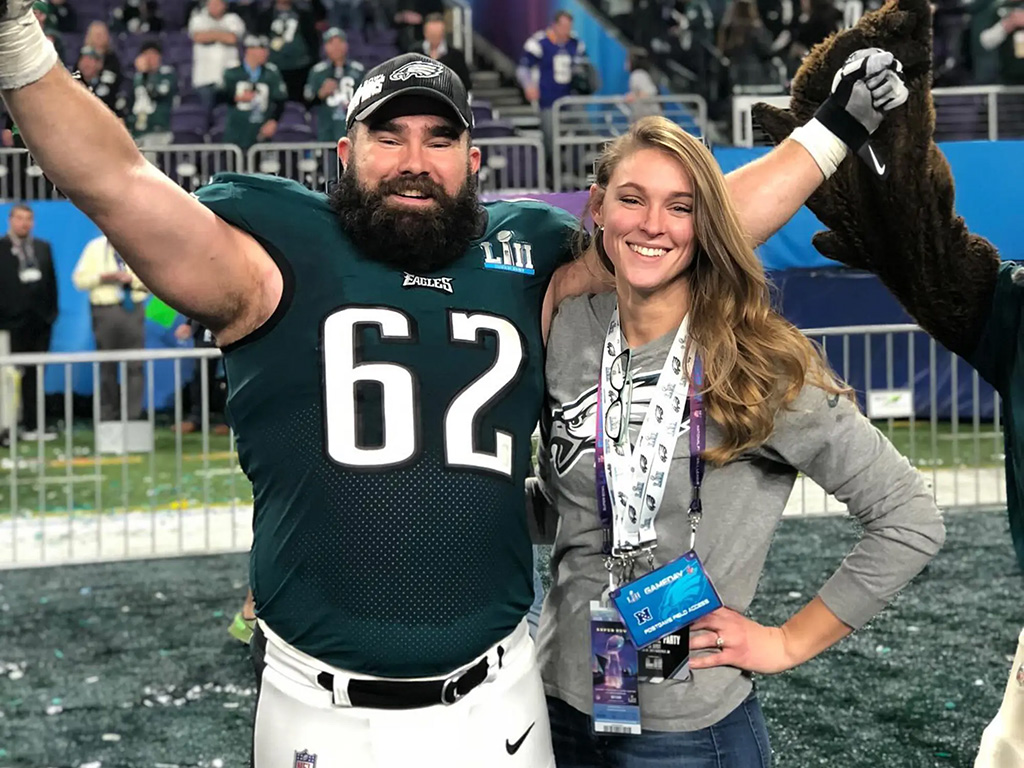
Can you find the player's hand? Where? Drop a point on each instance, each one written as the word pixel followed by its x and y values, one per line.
pixel 867 86
pixel 183 332
pixel 745 644
pixel 532 93
pixel 7 137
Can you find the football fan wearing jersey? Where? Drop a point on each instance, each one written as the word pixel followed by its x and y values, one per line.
pixel 330 86
pixel 383 348
pixel 550 59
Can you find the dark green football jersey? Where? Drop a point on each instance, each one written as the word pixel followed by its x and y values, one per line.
pixel 245 118
pixel 384 419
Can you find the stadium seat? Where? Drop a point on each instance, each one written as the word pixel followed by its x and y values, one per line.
pixel 294 114
pixel 294 133
pixel 493 129
pixel 482 111
pixel 188 120
pixel 191 136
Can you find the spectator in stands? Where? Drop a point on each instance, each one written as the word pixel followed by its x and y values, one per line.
pixel 47 21
pixel 137 17
pixel 116 296
pixel 97 37
pixel 408 20
pixel 621 14
pixel 256 92
pixel 154 91
pixel 545 70
pixel 28 305
pixel 745 42
pixel 780 19
pixel 330 86
pixel 63 16
pixel 105 84
pixel 691 33
pixel 818 20
pixel 291 29
pixel 216 385
pixel 216 34
pixel 1004 35
pixel 435 45
pixel 642 89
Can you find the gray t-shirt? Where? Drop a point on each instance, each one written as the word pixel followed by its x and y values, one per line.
pixel 823 436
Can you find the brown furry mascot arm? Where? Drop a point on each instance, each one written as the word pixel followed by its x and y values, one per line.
pixel 904 228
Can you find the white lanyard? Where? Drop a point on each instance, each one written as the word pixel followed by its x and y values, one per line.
pixel 636 476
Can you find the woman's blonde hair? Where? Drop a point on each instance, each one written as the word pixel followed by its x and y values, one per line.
pixel 755 361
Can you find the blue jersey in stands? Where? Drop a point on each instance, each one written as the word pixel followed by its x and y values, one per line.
pixel 552 64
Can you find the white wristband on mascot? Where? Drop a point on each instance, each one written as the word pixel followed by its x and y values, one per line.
pixel 25 53
pixel 827 149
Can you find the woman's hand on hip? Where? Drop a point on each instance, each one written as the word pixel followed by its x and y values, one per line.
pixel 727 638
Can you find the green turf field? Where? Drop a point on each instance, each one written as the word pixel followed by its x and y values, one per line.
pixel 160 481
pixel 154 480
pixel 138 652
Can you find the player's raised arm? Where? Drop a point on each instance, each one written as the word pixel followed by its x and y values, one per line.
pixel 770 190
pixel 181 250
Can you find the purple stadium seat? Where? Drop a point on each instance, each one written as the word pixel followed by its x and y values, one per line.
pixel 294 133
pixel 188 137
pixel 188 121
pixel 216 134
pixel 220 114
pixel 493 129
pixel 482 111
pixel 294 114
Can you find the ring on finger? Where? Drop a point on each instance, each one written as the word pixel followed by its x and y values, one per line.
pixel 719 642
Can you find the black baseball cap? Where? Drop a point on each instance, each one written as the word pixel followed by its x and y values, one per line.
pixel 415 75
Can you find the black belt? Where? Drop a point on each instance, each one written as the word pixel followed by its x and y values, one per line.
pixel 402 694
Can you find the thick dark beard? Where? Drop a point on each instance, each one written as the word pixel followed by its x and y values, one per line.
pixel 416 241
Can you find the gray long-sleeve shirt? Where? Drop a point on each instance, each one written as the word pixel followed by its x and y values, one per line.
pixel 823 436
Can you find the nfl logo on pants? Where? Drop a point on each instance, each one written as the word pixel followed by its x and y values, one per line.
pixel 305 759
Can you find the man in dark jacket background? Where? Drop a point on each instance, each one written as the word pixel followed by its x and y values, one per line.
pixel 435 45
pixel 28 305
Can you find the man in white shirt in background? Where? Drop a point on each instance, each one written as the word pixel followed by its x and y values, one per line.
pixel 116 297
pixel 216 34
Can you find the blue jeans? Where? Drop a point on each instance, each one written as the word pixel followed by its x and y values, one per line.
pixel 739 740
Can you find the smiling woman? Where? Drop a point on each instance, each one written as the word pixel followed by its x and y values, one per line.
pixel 689 344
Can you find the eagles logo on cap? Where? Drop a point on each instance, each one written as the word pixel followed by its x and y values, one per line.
pixel 411 74
pixel 420 69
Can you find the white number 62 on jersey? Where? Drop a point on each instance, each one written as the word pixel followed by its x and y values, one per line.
pixel 399 398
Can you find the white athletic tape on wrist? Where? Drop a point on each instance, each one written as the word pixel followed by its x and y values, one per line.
pixel 25 53
pixel 824 146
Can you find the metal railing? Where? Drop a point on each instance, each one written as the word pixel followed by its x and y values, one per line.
pixel 582 125
pixel 126 488
pixel 894 371
pixel 512 164
pixel 461 19
pixel 192 165
pixel 979 112
pixel 142 488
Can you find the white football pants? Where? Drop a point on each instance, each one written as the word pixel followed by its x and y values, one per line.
pixel 1002 743
pixel 502 722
